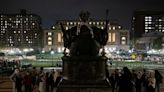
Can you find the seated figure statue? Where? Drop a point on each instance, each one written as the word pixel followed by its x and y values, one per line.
pixel 84 40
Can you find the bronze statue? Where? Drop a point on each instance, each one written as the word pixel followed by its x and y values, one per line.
pixel 84 39
pixel 84 69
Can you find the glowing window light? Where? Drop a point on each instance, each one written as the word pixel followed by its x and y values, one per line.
pixel 49 42
pixel 113 37
pixel 59 37
pixel 49 38
pixel 109 37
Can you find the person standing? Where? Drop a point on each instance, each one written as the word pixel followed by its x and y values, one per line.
pixel 159 79
pixel 112 80
pixel 151 82
pixel 27 81
pixel 34 78
pixel 125 82
pixel 138 82
pixel 13 79
pixel 42 82
pixel 17 79
pixel 144 79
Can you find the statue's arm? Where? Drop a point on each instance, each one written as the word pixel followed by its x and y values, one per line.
pixel 62 28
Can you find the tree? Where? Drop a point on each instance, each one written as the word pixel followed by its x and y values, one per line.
pixel 157 43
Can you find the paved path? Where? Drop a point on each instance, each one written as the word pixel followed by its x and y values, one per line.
pixel 5 85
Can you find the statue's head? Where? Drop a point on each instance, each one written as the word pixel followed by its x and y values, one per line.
pixel 84 16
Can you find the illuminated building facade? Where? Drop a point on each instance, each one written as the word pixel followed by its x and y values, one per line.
pixel 20 30
pixel 144 22
pixel 118 37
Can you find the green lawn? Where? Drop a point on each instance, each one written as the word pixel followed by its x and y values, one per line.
pixel 115 64
pixel 55 56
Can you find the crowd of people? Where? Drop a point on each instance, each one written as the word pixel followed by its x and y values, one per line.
pixel 121 80
pixel 6 63
pixel 33 80
pixel 126 80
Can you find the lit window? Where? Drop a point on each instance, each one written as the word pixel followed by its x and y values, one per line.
pixel 29 41
pixel 49 38
pixel 123 40
pixel 33 24
pixel 109 37
pixel 90 23
pixel 14 32
pixel 146 31
pixel 18 31
pixel 146 27
pixel 101 23
pixel 102 27
pixel 59 37
pixel 163 30
pixel 93 23
pixel 113 37
pixel 75 23
pixel 149 22
pixel 71 23
pixel 49 42
pixel 114 28
pixel 109 28
pixel 49 33
pixel 67 23
pixel 146 23
pixel 66 28
pixel 24 31
pixel 26 39
pixel 159 19
pixel 97 23
pixel 119 27
pixel 148 17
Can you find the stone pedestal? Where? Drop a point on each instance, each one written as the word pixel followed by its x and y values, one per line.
pixel 84 74
pixel 80 86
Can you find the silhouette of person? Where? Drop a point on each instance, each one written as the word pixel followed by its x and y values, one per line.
pixel 125 82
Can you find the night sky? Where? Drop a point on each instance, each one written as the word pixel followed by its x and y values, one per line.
pixel 52 10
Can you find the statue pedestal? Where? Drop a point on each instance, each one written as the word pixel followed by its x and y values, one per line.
pixel 84 74
pixel 77 86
